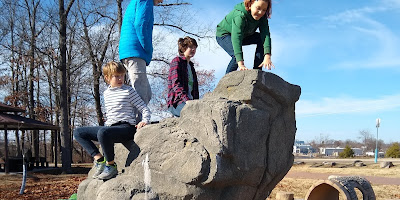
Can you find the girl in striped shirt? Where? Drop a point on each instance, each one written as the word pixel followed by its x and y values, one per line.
pixel 120 102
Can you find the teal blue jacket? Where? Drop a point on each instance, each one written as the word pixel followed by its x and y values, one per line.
pixel 239 24
pixel 137 31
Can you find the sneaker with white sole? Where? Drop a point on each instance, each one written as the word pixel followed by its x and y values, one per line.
pixel 110 171
pixel 99 168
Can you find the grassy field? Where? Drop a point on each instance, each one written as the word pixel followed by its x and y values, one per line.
pixel 300 186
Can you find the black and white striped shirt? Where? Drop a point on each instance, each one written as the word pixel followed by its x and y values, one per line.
pixel 120 103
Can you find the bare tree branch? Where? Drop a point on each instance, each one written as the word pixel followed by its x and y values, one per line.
pixel 174 4
pixel 164 60
pixel 105 16
pixel 69 7
pixel 181 29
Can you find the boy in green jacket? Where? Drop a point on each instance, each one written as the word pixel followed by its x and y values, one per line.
pixel 238 28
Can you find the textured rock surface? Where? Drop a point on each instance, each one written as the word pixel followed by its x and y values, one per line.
pixel 235 143
pixel 386 164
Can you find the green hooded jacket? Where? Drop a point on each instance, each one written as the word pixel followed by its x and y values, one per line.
pixel 239 24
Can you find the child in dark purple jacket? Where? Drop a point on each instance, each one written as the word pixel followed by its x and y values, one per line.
pixel 182 78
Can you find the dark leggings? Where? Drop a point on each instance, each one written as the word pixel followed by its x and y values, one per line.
pixel 106 136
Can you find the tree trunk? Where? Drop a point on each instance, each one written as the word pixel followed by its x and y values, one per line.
pixel 69 92
pixel 96 66
pixel 44 145
pixel 32 44
pixel 57 139
pixel 52 137
pixel 23 139
pixel 19 153
pixel 64 122
pixel 14 73
pixel 96 75
pixel 119 3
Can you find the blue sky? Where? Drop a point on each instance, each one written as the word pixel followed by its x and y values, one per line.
pixel 344 54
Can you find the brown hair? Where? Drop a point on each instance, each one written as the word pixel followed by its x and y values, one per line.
pixel 184 43
pixel 113 68
pixel 248 3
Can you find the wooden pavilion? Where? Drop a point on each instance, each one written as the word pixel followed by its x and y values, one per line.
pixel 15 122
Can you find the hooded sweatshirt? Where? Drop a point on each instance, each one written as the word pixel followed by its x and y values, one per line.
pixel 239 24
pixel 137 31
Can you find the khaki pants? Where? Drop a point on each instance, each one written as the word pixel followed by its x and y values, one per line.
pixel 138 79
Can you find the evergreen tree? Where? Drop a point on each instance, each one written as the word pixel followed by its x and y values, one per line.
pixel 347 152
pixel 393 151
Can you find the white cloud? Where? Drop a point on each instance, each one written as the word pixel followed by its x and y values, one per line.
pixel 394 4
pixel 346 105
pixel 349 16
pixel 385 55
pixel 386 51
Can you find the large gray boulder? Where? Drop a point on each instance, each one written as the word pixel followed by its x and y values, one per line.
pixel 235 143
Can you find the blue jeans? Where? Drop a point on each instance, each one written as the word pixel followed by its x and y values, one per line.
pixel 177 111
pixel 106 136
pixel 226 43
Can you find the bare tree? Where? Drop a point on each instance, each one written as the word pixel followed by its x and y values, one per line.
pixel 322 141
pixel 97 44
pixel 32 9
pixel 338 143
pixel 52 58
pixel 119 14
pixel 174 19
pixel 368 140
pixel 64 122
pixel 11 7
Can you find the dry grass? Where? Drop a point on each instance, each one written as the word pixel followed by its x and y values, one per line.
pixel 369 170
pixel 300 187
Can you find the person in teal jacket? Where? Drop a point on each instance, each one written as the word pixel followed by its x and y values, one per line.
pixel 135 44
pixel 238 28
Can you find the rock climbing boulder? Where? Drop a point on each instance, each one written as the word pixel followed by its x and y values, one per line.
pixel 234 143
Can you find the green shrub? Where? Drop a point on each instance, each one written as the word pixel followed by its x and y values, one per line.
pixel 393 151
pixel 347 152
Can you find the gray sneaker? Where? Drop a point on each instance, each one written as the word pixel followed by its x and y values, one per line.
pixel 99 168
pixel 110 171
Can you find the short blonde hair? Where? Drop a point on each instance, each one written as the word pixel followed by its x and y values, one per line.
pixel 113 68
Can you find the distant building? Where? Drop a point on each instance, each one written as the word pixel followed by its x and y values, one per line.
pixel 337 150
pixel 372 154
pixel 301 148
pixel 299 142
pixel 330 151
pixel 357 151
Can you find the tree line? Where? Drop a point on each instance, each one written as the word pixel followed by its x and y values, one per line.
pixel 52 53
pixel 366 141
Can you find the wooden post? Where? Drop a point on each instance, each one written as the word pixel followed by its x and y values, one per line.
pixel 45 147
pixel 55 148
pixel 7 161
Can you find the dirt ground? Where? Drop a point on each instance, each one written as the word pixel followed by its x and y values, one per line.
pixel 54 185
pixel 49 184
